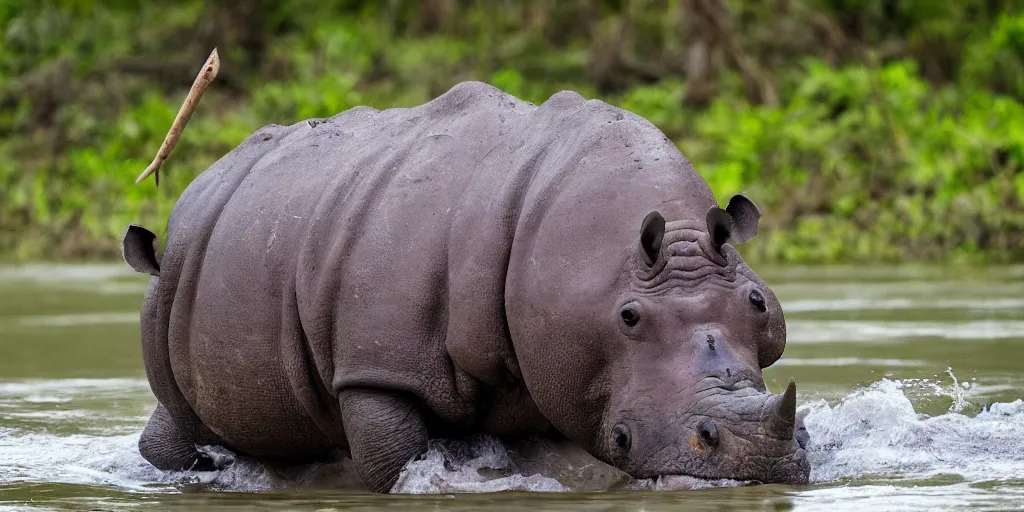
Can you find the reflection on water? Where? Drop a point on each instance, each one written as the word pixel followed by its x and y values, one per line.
pixel 912 388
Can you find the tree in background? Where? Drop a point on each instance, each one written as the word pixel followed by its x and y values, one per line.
pixel 882 130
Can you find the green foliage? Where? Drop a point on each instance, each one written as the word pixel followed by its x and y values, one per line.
pixel 901 137
pixel 873 164
pixel 996 59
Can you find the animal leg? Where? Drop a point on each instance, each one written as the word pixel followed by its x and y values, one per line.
pixel 384 433
pixel 168 447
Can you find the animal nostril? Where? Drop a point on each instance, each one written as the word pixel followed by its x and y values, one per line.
pixel 708 432
pixel 621 441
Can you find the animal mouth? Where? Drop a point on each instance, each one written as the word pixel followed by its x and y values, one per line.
pixel 791 470
pixel 681 482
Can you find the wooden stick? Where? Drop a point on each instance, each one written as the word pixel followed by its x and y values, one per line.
pixel 203 80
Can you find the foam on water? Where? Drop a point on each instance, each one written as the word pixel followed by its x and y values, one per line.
pixel 874 432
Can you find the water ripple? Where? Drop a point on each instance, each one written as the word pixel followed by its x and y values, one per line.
pixel 822 331
pixel 73 320
pixel 849 361
pixel 877 304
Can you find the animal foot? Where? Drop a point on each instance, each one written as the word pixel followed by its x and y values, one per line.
pixel 204 463
pixel 209 459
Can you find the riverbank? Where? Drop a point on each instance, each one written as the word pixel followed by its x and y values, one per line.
pixel 900 143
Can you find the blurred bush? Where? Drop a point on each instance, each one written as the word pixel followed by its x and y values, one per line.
pixel 867 130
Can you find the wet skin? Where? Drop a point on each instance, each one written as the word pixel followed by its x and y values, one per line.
pixel 474 264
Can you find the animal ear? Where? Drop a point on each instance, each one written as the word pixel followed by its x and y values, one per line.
pixel 652 231
pixel 745 215
pixel 720 226
pixel 138 248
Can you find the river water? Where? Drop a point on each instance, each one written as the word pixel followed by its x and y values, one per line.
pixel 912 379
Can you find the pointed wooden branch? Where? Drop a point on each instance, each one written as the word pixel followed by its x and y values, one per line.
pixel 203 80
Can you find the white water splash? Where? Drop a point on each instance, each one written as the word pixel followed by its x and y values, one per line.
pixel 481 465
pixel 874 432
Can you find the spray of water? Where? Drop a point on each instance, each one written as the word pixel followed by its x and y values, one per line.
pixel 874 432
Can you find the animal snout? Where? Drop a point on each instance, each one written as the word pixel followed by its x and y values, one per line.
pixel 717 358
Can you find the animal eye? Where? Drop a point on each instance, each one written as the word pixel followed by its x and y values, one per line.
pixel 630 317
pixel 758 301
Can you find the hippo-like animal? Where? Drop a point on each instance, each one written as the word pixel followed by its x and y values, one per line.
pixel 473 264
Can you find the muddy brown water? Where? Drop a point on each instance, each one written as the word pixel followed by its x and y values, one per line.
pixel 894 364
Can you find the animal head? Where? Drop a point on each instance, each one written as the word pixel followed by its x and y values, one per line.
pixel 651 357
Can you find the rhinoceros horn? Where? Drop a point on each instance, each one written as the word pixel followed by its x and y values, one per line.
pixel 782 418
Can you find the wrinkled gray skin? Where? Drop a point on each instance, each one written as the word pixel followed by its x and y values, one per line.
pixel 476 263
